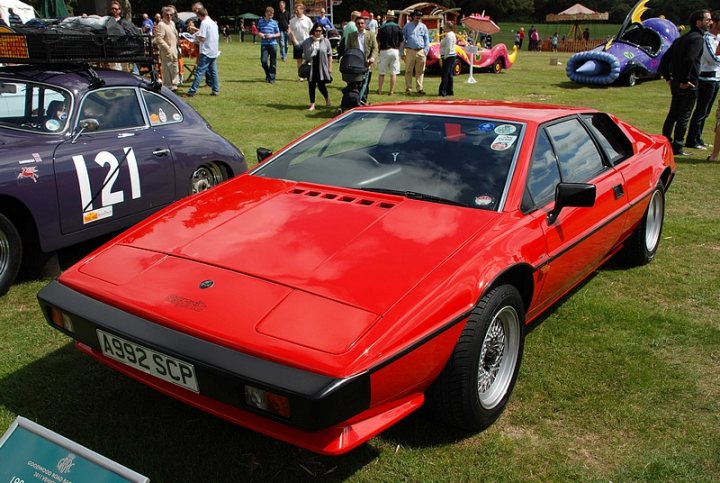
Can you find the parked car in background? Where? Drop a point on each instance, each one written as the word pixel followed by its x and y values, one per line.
pixel 392 257
pixel 84 153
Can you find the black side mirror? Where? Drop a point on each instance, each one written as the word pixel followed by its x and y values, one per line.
pixel 263 154
pixel 85 125
pixel 572 194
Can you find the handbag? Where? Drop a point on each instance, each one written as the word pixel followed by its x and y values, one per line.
pixel 304 70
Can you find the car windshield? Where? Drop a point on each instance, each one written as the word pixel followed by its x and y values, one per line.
pixel 463 161
pixel 33 107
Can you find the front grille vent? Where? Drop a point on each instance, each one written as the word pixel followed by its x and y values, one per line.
pixel 343 198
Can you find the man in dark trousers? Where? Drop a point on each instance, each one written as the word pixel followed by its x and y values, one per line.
pixel 283 20
pixel 683 69
pixel 708 84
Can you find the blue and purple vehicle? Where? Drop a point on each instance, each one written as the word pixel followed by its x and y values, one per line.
pixel 634 53
pixel 85 153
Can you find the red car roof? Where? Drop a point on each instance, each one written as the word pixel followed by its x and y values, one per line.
pixel 511 111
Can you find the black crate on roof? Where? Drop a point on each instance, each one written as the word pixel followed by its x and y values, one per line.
pixel 48 46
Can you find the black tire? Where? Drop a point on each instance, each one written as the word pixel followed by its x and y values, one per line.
pixel 11 253
pixel 206 176
pixel 457 67
pixel 475 385
pixel 641 247
pixel 631 79
pixel 497 67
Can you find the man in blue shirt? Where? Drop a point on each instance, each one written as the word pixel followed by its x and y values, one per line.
pixel 417 44
pixel 269 32
pixel 324 21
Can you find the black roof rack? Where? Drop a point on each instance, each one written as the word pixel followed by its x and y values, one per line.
pixel 63 46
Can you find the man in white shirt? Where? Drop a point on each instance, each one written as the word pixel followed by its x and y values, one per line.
pixel 299 30
pixel 208 37
pixel 372 24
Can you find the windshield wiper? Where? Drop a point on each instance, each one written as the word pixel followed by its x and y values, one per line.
pixel 414 195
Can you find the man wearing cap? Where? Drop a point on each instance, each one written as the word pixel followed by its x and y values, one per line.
pixel 417 44
pixel 389 38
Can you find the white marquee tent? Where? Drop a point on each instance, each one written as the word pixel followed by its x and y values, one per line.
pixel 23 10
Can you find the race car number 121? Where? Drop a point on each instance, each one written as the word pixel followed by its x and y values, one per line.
pixel 109 196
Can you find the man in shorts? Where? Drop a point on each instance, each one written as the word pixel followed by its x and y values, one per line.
pixel 389 38
pixel 300 27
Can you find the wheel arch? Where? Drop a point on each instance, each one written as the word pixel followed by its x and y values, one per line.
pixel 519 276
pixel 21 216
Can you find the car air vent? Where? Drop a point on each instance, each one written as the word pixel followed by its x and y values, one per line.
pixel 343 198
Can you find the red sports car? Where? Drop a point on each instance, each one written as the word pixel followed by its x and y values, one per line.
pixel 390 258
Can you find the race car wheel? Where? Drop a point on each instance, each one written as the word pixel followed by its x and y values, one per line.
pixel 642 245
pixel 457 67
pixel 476 383
pixel 206 177
pixel 10 253
pixel 497 67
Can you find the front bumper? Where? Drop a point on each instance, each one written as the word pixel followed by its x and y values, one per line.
pixel 317 402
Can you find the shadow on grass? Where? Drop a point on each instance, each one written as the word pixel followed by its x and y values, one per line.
pixel 163 439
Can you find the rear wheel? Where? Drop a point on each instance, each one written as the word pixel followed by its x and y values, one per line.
pixel 457 67
pixel 642 245
pixel 206 176
pixel 497 67
pixel 631 79
pixel 11 252
pixel 476 383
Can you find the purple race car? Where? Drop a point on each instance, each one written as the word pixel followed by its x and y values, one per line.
pixel 86 153
pixel 635 52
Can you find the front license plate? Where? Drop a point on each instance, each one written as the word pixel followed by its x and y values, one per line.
pixel 149 361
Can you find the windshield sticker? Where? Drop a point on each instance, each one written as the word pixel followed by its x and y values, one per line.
pixel 177 117
pixel 484 200
pixel 503 142
pixel 154 118
pixel 486 127
pixel 161 113
pixel 505 129
pixel 52 125
pixel 28 173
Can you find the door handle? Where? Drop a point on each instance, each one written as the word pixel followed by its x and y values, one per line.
pixel 618 191
pixel 161 152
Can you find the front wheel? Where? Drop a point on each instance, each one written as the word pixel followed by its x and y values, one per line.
pixel 497 67
pixel 11 252
pixel 475 385
pixel 641 246
pixel 206 177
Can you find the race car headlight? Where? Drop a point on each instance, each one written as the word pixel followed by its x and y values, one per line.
pixel 267 401
pixel 61 319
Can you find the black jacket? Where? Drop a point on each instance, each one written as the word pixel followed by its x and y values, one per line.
pixel 683 64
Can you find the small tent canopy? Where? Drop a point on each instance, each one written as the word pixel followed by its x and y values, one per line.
pixel 577 13
pixel 23 10
pixel 249 16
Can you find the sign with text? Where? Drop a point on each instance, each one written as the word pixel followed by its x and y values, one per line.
pixel 30 453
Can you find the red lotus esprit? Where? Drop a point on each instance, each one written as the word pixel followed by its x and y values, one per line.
pixel 392 257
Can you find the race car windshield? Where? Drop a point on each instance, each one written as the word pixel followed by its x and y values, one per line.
pixel 465 161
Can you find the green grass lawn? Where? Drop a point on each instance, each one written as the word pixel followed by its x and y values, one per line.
pixel 621 382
